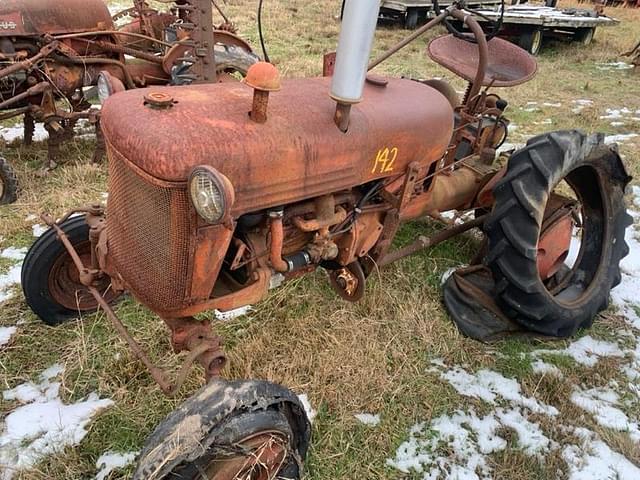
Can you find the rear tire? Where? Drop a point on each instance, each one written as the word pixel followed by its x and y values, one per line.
pixel 50 279
pixel 596 174
pixel 8 183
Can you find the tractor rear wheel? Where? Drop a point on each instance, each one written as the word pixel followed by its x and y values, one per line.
pixel 248 430
pixel 550 164
pixel 51 281
pixel 8 183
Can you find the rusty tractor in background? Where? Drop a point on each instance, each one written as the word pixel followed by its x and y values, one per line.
pixel 210 207
pixel 52 50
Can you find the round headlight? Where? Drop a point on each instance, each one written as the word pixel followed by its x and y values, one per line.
pixel 108 85
pixel 211 194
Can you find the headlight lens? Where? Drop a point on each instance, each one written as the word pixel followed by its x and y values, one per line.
pixel 108 85
pixel 208 194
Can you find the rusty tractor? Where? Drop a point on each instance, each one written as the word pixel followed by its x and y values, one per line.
pixel 52 50
pixel 220 192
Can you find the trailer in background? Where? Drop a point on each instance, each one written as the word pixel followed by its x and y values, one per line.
pixel 526 24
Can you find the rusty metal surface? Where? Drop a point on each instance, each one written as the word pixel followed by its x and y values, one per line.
pixel 508 65
pixel 53 17
pixel 396 125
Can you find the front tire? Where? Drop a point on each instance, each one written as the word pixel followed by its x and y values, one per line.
pixel 597 176
pixel 229 430
pixel 531 41
pixel 8 183
pixel 50 279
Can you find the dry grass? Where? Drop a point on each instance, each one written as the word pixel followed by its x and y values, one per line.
pixel 367 357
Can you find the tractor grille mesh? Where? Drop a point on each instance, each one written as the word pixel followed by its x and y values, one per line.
pixel 148 231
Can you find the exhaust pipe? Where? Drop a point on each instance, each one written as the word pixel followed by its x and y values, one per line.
pixel 354 48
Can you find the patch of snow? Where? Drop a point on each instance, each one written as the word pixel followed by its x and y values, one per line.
pixel 39 230
pixel 5 335
pixel 368 419
pixel 110 461
pixel 467 439
pixel 586 351
pixel 617 124
pixel 593 459
pixel 311 413
pixel 32 217
pixel 11 134
pixel 13 253
pixel 231 314
pixel 8 281
pixel 623 137
pixel 614 66
pixel 488 385
pixel 601 403
pixel 554 105
pixel 43 424
pixel 445 276
pixel 544 368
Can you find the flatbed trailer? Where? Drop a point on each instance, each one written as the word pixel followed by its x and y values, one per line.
pixel 529 24
pixel 525 24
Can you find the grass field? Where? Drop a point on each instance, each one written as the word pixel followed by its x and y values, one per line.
pixel 390 355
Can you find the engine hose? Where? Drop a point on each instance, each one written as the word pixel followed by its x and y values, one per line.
pixel 496 26
pixel 264 48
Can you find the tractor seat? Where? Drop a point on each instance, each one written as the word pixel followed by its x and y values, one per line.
pixel 508 64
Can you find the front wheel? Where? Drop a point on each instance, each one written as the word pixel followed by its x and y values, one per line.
pixel 51 281
pixel 584 35
pixel 558 284
pixel 8 183
pixel 248 430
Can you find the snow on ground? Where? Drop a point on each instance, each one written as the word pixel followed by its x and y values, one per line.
pixel 311 413
pixel 619 138
pixel 468 439
pixel 593 459
pixel 586 351
pixel 490 386
pixel 368 419
pixel 543 368
pixel 614 66
pixel 42 425
pixel 38 230
pixel 5 335
pixel 11 278
pixel 581 104
pixel 83 129
pixel 110 461
pixel 601 403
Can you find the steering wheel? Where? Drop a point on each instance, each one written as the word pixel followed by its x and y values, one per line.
pixel 490 32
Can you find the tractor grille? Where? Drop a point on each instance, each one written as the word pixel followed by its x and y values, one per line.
pixel 148 231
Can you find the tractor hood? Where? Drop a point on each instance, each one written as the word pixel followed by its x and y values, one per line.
pixel 298 153
pixel 54 17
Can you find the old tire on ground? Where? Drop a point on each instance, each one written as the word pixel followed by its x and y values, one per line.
pixel 8 183
pixel 584 35
pixel 411 19
pixel 233 58
pixel 50 280
pixel 531 41
pixel 597 176
pixel 227 430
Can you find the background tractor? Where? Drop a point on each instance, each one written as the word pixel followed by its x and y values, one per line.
pixel 52 50
pixel 220 192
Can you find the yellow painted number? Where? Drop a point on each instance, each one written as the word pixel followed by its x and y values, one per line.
pixel 385 160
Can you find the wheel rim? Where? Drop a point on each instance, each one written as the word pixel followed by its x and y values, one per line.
pixel 584 260
pixel 536 42
pixel 260 457
pixel 65 287
pixel 588 37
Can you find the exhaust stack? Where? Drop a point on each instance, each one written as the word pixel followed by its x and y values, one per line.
pixel 354 47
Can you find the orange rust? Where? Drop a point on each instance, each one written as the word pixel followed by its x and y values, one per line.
pixel 553 246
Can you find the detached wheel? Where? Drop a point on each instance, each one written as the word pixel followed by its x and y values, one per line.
pixel 8 183
pixel 531 41
pixel 51 281
pixel 576 282
pixel 247 430
pixel 584 35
